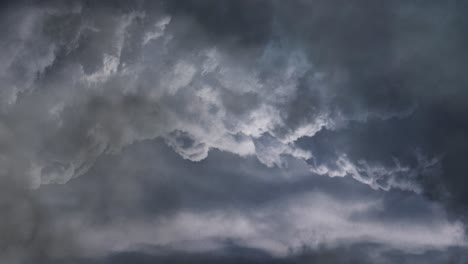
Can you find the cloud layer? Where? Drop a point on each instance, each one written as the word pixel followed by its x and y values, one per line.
pixel 114 78
pixel 313 122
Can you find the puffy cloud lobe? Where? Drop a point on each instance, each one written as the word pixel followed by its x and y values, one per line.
pixel 379 176
pixel 25 52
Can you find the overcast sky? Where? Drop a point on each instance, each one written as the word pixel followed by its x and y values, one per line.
pixel 233 131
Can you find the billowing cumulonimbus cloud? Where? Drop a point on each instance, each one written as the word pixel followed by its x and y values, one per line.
pixel 373 90
pixel 113 78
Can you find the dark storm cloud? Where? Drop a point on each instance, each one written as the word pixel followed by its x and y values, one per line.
pixel 29 233
pixel 374 90
pixel 187 206
pixel 243 22
pixel 121 74
pixel 126 184
pixel 396 54
pixel 159 189
pixel 233 253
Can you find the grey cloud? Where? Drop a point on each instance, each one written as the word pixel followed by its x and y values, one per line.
pixel 233 253
pixel 354 254
pixel 370 89
pixel 95 96
pixel 395 54
pixel 29 233
pixel 235 22
pixel 172 201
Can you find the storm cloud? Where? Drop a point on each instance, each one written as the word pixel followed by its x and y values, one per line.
pixel 287 131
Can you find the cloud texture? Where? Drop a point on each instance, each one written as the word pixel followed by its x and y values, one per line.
pixel 305 103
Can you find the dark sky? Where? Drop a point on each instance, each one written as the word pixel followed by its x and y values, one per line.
pixel 233 131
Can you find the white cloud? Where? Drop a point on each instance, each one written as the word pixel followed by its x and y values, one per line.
pixel 377 175
pixel 313 220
